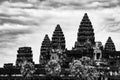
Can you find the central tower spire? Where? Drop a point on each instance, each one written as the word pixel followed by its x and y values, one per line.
pixel 85 32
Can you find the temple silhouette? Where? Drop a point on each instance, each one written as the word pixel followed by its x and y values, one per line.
pixel 55 59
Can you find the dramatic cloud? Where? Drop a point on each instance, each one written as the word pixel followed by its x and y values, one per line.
pixel 81 4
pixel 111 19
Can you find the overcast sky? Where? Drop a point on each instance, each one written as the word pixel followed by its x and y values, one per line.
pixel 25 23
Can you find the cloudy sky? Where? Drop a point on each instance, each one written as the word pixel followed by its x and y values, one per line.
pixel 24 23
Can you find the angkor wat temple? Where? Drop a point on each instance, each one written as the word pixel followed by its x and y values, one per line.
pixel 58 63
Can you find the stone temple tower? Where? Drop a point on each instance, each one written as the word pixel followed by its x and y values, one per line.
pixel 58 39
pixel 24 54
pixel 85 33
pixel 109 46
pixel 45 50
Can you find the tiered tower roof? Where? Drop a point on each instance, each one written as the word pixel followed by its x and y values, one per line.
pixel 85 32
pixel 109 46
pixel 45 49
pixel 58 39
pixel 46 42
pixel 24 54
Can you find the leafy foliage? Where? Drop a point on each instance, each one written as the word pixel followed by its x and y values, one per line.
pixel 27 69
pixel 53 68
pixel 84 69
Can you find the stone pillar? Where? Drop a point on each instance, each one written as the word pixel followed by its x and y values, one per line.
pixel 97 52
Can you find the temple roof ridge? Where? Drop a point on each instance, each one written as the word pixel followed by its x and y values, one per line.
pixel 58 28
pixel 109 40
pixel 109 45
pixel 46 37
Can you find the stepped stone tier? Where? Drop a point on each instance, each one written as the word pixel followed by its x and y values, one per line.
pixel 58 39
pixel 24 54
pixel 45 50
pixel 85 32
pixel 109 46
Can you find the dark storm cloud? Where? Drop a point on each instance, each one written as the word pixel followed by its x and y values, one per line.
pixel 18 0
pixel 4 15
pixel 81 4
pixel 110 4
pixel 19 5
pixel 56 5
pixel 3 1
pixel 69 4
pixel 32 7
